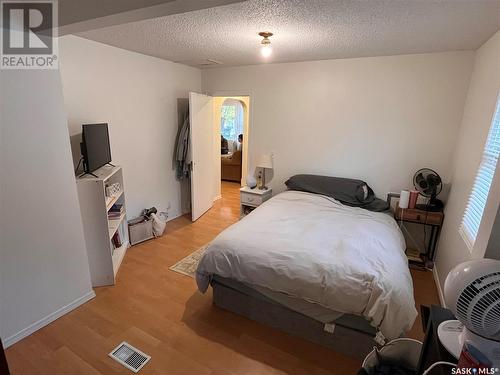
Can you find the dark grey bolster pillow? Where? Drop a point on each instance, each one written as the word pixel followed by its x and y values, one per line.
pixel 349 191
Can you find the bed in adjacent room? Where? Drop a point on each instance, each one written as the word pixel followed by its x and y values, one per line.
pixel 315 267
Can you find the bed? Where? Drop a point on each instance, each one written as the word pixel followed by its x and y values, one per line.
pixel 316 268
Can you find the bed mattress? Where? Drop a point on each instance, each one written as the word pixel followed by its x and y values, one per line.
pixel 313 248
pixel 311 310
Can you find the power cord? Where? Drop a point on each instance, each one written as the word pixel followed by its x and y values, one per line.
pixel 405 230
pixel 426 372
pixel 78 165
pixel 425 225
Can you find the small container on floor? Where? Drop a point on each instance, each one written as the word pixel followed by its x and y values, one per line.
pixel 140 230
pixel 403 352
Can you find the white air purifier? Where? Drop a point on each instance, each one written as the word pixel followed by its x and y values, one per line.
pixel 472 293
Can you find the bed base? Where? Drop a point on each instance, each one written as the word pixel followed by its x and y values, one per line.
pixel 348 341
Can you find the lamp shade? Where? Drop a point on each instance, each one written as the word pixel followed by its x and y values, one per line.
pixel 265 161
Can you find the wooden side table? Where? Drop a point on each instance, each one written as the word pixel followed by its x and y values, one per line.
pixel 428 218
pixel 252 198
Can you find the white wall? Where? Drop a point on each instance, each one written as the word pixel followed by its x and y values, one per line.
pixel 478 113
pixel 137 95
pixel 43 261
pixel 378 119
pixel 493 249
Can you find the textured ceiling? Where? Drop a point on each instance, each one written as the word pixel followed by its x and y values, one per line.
pixel 71 11
pixel 76 16
pixel 309 30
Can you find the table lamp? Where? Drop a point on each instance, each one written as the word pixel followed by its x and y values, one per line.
pixel 265 162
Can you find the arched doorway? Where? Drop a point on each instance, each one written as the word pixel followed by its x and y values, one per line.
pixel 232 134
pixel 232 120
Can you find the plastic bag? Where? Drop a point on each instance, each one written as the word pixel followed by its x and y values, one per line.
pixel 158 225
pixel 404 352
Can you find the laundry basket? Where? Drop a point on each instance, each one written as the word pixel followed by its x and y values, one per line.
pixel 402 352
pixel 140 229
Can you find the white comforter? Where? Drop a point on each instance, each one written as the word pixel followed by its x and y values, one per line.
pixel 312 247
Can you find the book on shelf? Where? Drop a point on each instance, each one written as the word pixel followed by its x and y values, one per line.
pixel 414 255
pixel 116 240
pixel 116 211
pixel 117 207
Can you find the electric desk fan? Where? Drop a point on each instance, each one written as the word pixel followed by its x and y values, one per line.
pixel 472 293
pixel 429 184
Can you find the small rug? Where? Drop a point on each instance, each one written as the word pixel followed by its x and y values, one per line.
pixel 187 266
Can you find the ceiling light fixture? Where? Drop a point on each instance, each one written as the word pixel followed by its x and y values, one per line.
pixel 266 49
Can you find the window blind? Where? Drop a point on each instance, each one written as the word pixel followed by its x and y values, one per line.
pixel 482 183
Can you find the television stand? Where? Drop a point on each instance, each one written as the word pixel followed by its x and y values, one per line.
pixel 94 175
pixel 106 232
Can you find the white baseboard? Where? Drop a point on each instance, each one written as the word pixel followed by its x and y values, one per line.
pixel 175 215
pixel 438 286
pixel 48 319
pixel 217 197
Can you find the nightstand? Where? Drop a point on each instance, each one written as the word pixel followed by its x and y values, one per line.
pixel 428 218
pixel 251 198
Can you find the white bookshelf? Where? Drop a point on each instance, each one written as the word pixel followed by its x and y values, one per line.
pixel 104 258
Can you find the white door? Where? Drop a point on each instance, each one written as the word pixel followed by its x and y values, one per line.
pixel 201 117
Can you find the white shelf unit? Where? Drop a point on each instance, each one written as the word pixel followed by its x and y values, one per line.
pixel 104 258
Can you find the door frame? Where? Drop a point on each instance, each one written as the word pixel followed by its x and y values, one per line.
pixel 249 94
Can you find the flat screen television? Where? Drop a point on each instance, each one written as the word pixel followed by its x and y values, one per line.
pixel 95 146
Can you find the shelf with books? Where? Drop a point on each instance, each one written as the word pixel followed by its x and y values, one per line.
pixel 110 201
pixel 114 224
pixel 104 223
pixel 415 258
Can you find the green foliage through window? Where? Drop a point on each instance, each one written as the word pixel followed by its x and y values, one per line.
pixel 228 122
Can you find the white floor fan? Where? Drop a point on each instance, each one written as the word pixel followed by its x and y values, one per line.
pixel 472 293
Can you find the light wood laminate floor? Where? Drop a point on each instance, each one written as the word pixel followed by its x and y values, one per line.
pixel 161 312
